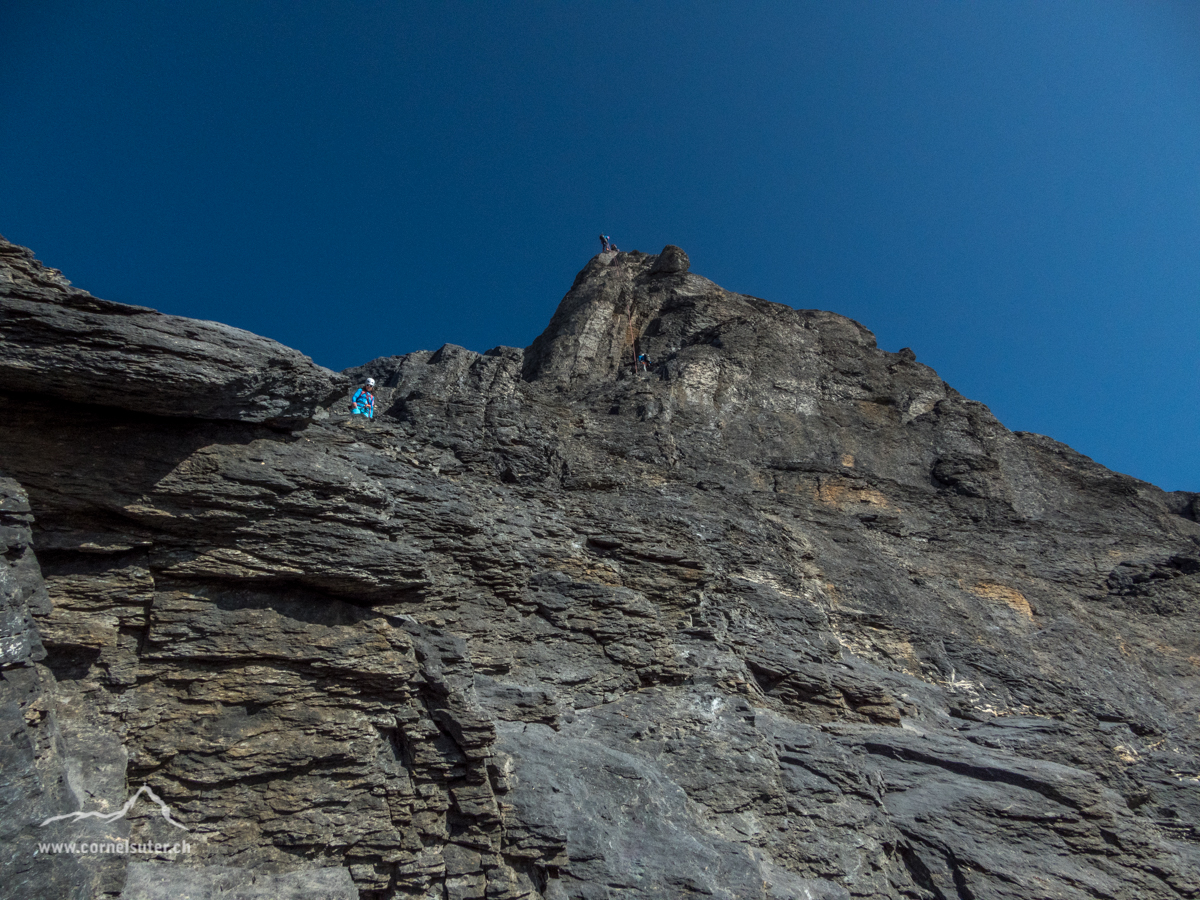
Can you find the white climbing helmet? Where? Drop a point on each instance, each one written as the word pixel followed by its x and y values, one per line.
pixel 370 382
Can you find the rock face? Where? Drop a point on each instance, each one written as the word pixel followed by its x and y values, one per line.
pixel 784 617
pixel 58 341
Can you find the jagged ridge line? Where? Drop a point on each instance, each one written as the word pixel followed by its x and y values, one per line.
pixel 122 812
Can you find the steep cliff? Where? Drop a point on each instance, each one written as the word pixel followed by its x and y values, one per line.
pixel 783 617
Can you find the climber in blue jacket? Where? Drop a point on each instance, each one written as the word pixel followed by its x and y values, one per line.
pixel 363 403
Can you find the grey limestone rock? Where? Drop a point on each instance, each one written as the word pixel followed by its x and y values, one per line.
pixel 21 586
pixel 672 261
pixel 165 881
pixel 783 617
pixel 58 341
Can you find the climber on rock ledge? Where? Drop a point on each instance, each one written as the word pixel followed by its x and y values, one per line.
pixel 363 403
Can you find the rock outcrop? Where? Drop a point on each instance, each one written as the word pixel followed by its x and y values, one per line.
pixel 58 341
pixel 784 617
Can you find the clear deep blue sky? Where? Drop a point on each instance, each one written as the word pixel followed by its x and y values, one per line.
pixel 1012 189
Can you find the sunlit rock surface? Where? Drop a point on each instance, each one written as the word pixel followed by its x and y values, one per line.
pixel 783 617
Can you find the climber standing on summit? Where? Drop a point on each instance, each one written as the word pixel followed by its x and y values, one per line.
pixel 363 403
pixel 606 244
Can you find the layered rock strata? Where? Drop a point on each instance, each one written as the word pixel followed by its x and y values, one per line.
pixel 783 617
pixel 61 342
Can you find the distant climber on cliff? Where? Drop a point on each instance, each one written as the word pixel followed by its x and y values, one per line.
pixel 644 362
pixel 363 403
pixel 606 244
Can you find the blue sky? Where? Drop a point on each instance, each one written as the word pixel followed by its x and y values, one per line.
pixel 1011 189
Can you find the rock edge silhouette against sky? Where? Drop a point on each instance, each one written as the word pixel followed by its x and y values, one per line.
pixel 1012 191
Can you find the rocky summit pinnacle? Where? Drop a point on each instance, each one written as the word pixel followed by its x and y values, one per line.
pixel 697 596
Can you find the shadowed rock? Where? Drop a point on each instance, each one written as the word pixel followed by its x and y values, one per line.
pixel 672 261
pixel 58 341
